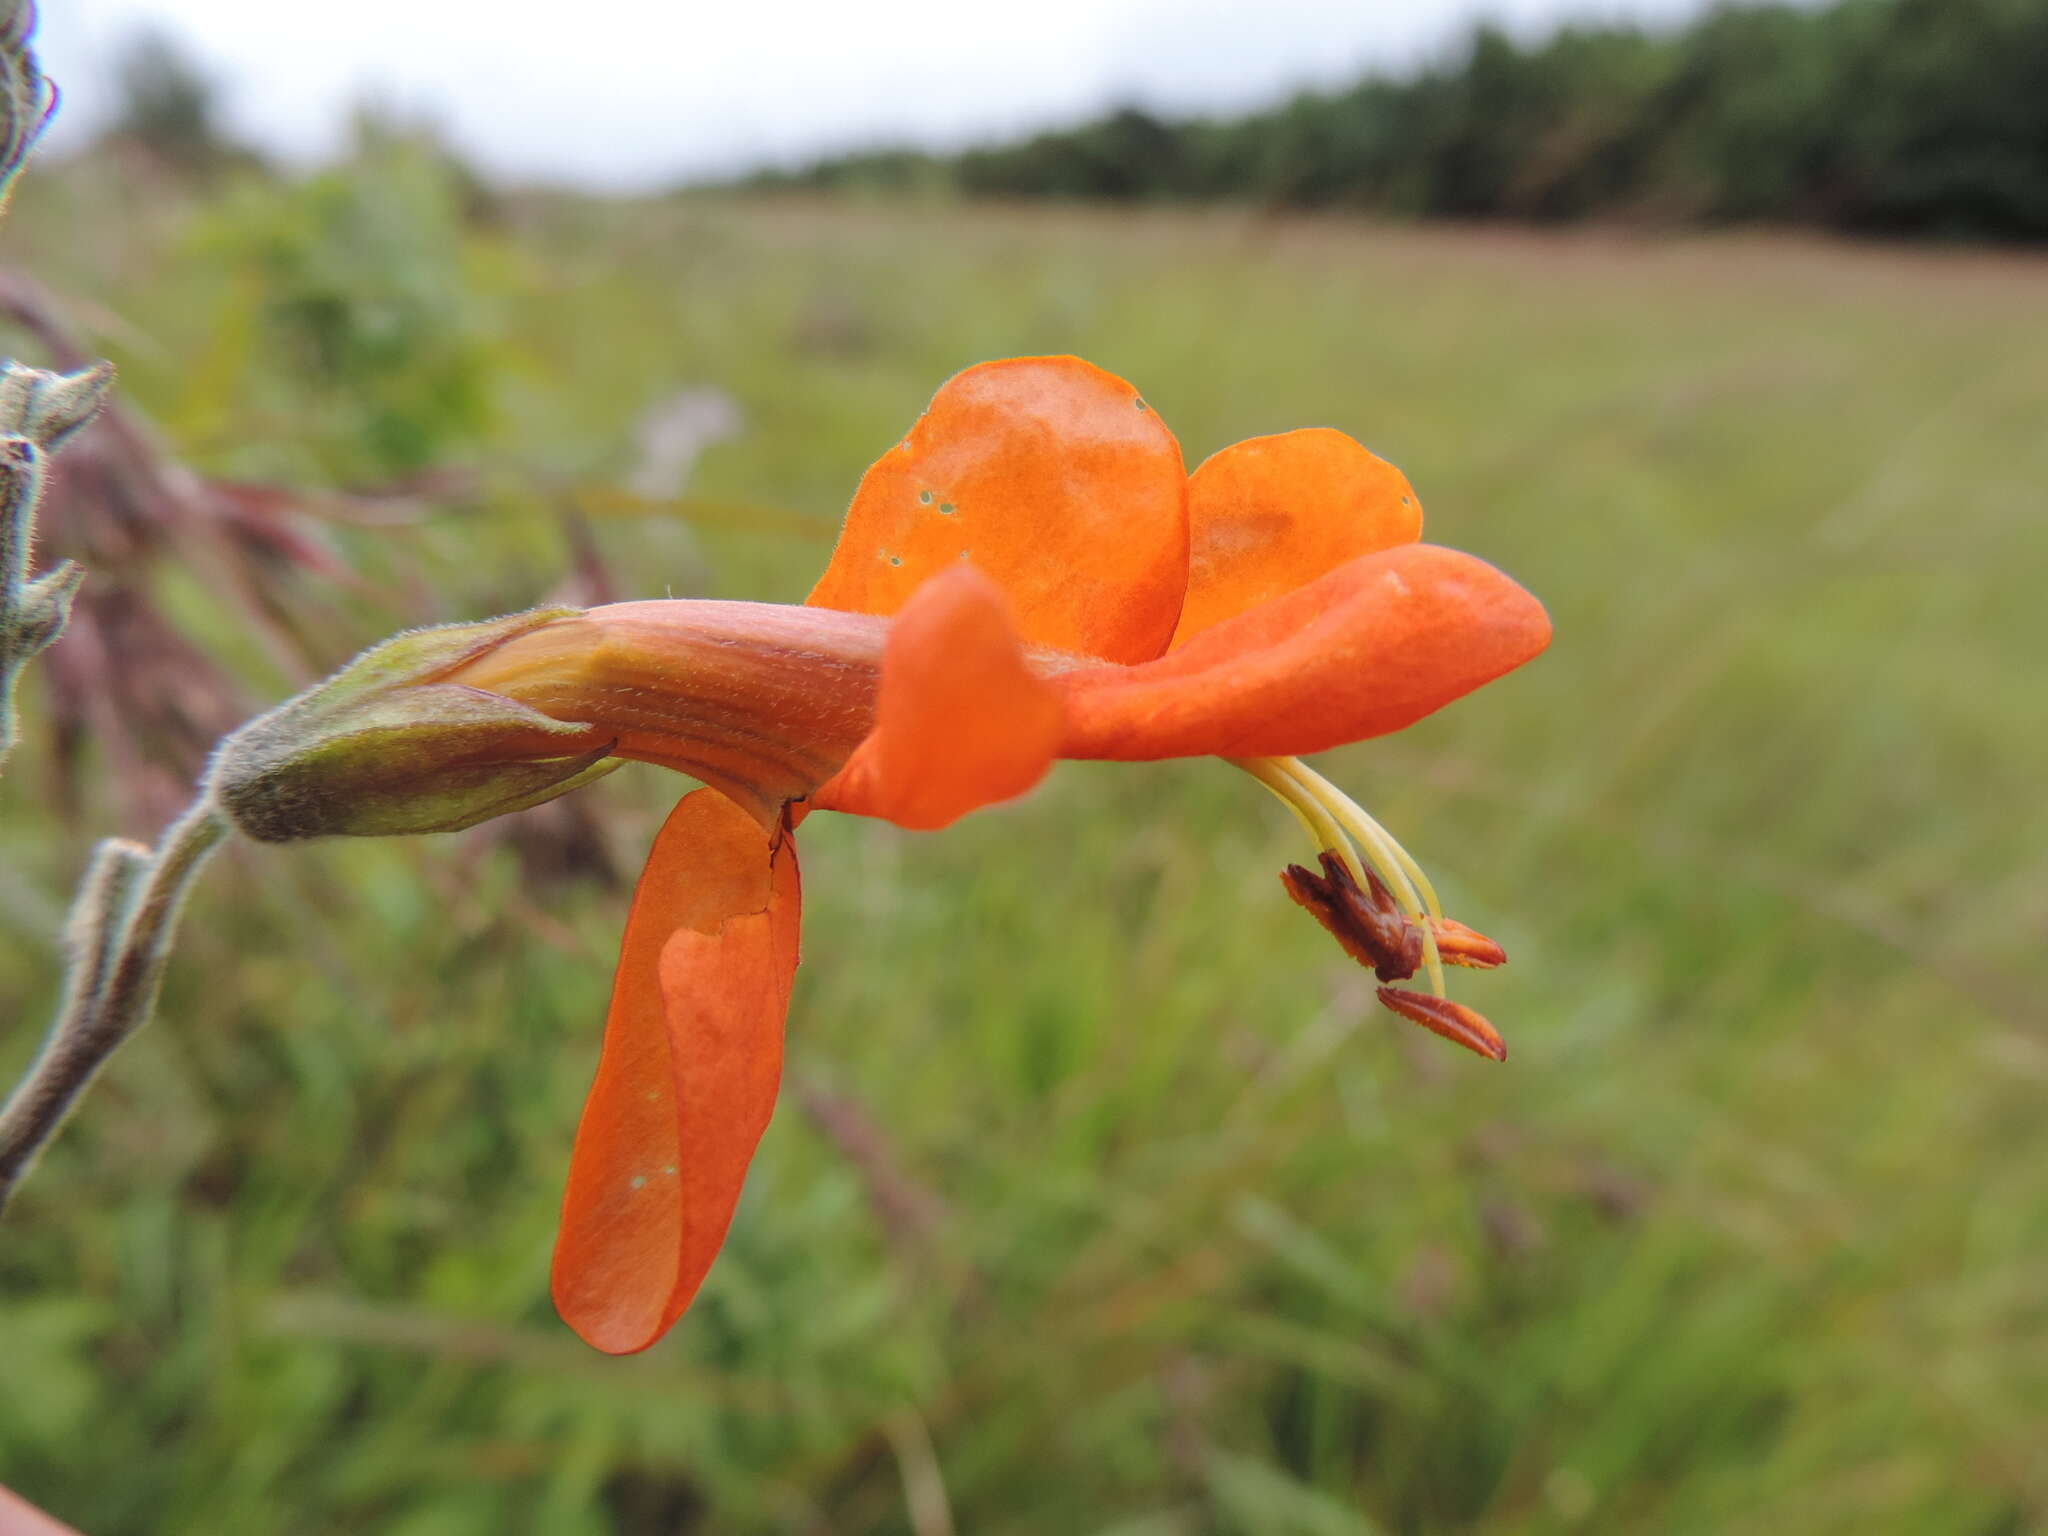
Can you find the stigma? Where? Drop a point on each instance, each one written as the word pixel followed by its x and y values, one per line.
pixel 1373 898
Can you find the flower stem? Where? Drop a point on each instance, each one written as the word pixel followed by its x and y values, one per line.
pixel 119 940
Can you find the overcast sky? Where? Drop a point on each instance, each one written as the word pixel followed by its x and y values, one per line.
pixel 644 92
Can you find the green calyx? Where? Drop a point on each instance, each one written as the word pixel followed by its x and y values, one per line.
pixel 385 748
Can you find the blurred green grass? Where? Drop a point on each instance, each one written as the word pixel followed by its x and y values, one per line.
pixel 1750 1235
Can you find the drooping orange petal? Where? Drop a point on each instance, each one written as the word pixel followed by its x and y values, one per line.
pixel 1373 646
pixel 1271 514
pixel 1053 477
pixel 687 1082
pixel 960 722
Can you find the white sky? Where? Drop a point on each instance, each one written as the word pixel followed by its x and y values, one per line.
pixel 634 93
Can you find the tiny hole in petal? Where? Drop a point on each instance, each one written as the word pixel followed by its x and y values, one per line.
pixel 925 497
pixel 947 508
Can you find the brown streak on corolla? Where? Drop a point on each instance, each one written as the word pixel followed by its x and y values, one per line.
pixel 761 701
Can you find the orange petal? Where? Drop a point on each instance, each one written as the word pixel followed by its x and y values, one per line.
pixel 1052 476
pixel 959 722
pixel 1273 513
pixel 1373 646
pixel 687 1082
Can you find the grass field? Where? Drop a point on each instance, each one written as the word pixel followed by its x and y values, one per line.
pixel 1101 1199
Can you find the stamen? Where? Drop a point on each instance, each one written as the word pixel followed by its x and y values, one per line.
pixel 1454 1021
pixel 1330 814
pixel 1372 930
pixel 1382 908
pixel 1314 817
pixel 1410 884
pixel 1467 946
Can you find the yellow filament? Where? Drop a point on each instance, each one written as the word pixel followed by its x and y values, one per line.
pixel 1396 865
pixel 1323 829
pixel 1328 814
pixel 1363 826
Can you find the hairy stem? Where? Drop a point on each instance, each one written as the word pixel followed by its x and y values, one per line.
pixel 119 940
pixel 21 486
pixel 38 411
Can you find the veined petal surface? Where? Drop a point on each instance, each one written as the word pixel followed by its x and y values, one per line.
pixel 687 1081
pixel 762 701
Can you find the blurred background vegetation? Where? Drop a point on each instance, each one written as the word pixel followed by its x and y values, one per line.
pixel 1101 1198
pixel 1896 116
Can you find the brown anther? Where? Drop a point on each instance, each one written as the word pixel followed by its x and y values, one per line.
pixel 1459 945
pixel 1371 928
pixel 1454 1021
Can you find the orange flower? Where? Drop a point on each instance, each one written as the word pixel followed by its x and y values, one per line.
pixel 1029 575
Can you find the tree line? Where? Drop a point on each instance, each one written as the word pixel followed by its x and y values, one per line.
pixel 1883 116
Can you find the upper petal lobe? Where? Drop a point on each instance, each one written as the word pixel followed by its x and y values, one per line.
pixel 1271 514
pixel 1053 477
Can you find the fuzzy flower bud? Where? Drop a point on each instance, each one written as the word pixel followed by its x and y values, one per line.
pixel 387 746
